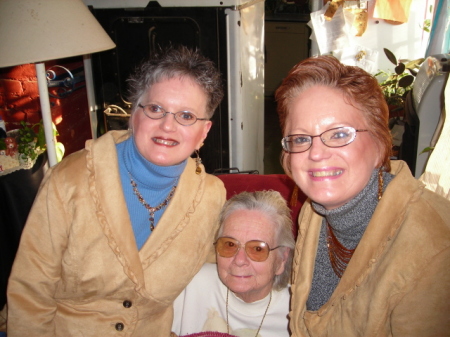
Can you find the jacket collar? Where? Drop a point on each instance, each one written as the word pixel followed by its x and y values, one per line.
pixel 382 228
pixel 113 212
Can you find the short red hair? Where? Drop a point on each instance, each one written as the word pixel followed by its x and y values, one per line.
pixel 360 89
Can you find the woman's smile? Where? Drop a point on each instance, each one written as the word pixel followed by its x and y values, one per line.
pixel 166 142
pixel 326 173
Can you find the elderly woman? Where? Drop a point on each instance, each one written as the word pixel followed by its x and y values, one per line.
pixel 120 228
pixel 246 293
pixel 373 251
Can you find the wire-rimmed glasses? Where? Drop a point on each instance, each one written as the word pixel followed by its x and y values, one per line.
pixel 336 137
pixel 185 118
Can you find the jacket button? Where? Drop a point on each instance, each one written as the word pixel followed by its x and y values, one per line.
pixel 119 326
pixel 127 304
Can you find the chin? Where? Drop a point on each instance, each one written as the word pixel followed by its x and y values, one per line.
pixel 239 288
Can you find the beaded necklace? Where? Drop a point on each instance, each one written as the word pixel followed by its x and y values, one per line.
pixel 151 210
pixel 339 255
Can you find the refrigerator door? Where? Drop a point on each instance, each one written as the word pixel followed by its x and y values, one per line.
pixel 245 69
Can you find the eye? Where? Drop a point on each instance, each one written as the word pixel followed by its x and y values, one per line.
pixel 153 108
pixel 186 115
pixel 340 134
pixel 230 244
pixel 258 246
pixel 258 249
pixel 300 140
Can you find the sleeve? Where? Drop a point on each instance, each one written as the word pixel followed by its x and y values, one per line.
pixel 37 266
pixel 425 310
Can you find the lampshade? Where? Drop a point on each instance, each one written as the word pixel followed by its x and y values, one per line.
pixel 42 30
pixel 35 31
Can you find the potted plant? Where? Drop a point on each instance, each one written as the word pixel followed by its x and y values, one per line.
pixel 396 85
pixel 21 147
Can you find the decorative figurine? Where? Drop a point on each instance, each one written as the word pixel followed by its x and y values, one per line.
pixel 11 146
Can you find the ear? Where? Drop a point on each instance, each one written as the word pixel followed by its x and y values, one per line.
pixel 205 131
pixel 283 257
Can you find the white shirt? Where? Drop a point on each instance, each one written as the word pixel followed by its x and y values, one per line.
pixel 202 307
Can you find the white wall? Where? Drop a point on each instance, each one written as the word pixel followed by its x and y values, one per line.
pixel 406 41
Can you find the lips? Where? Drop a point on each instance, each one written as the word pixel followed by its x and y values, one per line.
pixel 242 276
pixel 165 142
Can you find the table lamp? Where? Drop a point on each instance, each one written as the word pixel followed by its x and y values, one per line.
pixel 35 31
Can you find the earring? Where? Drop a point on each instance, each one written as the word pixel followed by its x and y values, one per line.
pixel 380 183
pixel 198 161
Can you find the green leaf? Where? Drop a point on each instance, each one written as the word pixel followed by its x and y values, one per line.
pixel 399 69
pixel 41 137
pixel 55 131
pixel 414 64
pixel 406 81
pixel 59 151
pixel 391 57
pixel 427 149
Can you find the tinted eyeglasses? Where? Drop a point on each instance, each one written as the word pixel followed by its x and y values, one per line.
pixel 154 111
pixel 256 250
pixel 336 137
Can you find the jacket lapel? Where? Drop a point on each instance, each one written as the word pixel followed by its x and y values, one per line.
pixel 189 190
pixel 111 205
pixel 380 231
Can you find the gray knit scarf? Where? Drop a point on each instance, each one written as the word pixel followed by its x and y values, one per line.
pixel 348 223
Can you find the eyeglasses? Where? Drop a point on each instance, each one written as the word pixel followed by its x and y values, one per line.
pixel 336 137
pixel 154 111
pixel 256 250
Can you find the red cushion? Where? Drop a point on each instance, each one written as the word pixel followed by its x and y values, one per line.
pixel 237 183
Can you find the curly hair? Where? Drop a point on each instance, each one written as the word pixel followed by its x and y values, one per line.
pixel 170 62
pixel 274 206
pixel 360 89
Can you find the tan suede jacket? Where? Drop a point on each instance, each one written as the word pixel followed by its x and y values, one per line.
pixel 78 271
pixel 398 280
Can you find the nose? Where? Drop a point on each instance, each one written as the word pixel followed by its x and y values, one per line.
pixel 168 122
pixel 241 258
pixel 318 149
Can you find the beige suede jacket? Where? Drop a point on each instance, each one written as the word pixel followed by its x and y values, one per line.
pixel 398 280
pixel 78 271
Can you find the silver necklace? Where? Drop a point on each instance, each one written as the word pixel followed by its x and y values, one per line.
pixel 264 316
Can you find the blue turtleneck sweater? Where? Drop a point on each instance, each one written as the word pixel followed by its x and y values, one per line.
pixel 153 183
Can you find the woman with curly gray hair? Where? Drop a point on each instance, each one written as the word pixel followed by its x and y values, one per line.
pixel 247 292
pixel 120 228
